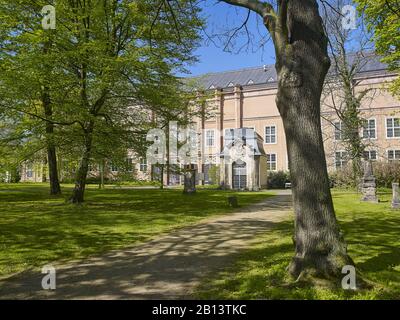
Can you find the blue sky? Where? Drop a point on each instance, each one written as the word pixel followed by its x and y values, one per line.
pixel 212 58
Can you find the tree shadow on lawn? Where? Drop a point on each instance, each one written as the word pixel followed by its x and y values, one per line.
pixel 167 267
pixel 34 233
pixel 260 273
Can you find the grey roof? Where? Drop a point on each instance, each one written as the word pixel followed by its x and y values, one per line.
pixel 370 64
pixel 238 77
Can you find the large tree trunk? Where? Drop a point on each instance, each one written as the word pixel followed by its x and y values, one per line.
pixel 302 65
pixel 55 188
pixel 80 182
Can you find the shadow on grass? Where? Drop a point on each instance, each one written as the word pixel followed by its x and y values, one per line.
pixel 164 268
pixel 371 231
pixel 36 229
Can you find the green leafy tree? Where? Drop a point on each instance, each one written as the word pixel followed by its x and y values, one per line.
pixel 383 20
pixel 107 64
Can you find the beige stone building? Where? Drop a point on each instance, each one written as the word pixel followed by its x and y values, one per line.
pixel 245 99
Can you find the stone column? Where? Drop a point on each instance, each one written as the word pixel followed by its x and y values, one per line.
pixel 238 106
pixel 395 200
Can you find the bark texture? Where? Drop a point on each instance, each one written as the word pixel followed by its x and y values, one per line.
pixel 80 182
pixel 302 64
pixel 55 188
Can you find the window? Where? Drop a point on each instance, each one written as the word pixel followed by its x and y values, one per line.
pixel 210 138
pixel 143 165
pixel 393 155
pixel 369 129
pixel 230 84
pixel 370 155
pixel 228 132
pixel 114 167
pixel 270 134
pixel 129 164
pixel 271 162
pixel 340 159
pixel 29 171
pixel 393 127
pixel 250 82
pixel 338 130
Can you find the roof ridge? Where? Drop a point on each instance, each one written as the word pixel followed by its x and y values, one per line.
pixel 232 71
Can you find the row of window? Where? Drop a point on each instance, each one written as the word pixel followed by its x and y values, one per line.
pixel 341 157
pixel 269 137
pixel 369 129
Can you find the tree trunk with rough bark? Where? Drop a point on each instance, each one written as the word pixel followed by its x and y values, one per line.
pixel 80 182
pixel 302 65
pixel 55 188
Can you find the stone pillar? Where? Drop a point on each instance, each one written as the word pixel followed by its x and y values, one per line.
pixel 368 187
pixel 395 200
pixel 238 107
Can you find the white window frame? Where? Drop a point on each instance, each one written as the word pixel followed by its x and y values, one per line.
pixel 206 141
pixel 375 129
pixel 369 155
pixel 394 154
pixel 276 134
pixel 386 127
pixel 114 167
pixel 29 170
pixel 143 166
pixel 341 159
pixel 270 162
pixel 336 128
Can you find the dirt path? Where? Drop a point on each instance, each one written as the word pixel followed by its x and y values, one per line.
pixel 166 268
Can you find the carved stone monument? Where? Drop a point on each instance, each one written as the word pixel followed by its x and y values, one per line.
pixel 395 200
pixel 368 186
pixel 189 182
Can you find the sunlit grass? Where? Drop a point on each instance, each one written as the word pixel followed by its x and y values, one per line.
pixel 36 228
pixel 372 232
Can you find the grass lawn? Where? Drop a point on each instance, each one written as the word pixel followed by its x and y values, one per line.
pixel 372 232
pixel 36 228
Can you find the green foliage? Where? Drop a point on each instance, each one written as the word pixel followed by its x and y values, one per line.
pixel 106 68
pixel 371 231
pixel 277 179
pixel 385 173
pixel 343 178
pixel 383 19
pixel 214 174
pixel 113 218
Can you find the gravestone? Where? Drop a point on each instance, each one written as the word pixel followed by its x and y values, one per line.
pixel 395 200
pixel 368 186
pixel 189 182
pixel 232 201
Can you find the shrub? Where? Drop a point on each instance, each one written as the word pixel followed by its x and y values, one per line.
pixel 386 173
pixel 213 174
pixel 277 179
pixel 343 178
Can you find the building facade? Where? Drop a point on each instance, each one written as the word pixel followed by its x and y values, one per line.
pixel 245 100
